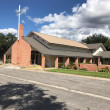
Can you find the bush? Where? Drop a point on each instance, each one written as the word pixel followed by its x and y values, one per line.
pixel 72 66
pixel 84 69
pixel 61 65
pixel 65 68
pixel 75 67
pixel 105 69
pixel 8 61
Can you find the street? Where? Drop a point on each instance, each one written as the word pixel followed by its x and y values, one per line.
pixel 39 90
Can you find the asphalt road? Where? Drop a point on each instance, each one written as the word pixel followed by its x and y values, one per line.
pixel 36 90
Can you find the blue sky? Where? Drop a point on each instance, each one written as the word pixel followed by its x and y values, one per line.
pixel 71 19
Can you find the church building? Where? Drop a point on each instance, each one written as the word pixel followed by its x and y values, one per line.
pixel 48 51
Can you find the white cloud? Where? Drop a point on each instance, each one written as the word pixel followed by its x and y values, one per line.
pixel 23 10
pixel 75 9
pixel 23 21
pixel 87 19
pixel 9 30
pixel 50 18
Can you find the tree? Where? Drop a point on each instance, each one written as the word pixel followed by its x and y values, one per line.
pixel 107 45
pixel 5 42
pixel 95 38
pixel 98 38
pixel 10 38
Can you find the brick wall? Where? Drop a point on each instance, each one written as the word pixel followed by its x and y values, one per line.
pixel 56 62
pixel 77 65
pixel 103 66
pixel 21 51
pixel 89 67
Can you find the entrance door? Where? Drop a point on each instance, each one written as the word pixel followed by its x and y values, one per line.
pixel 96 61
pixel 35 58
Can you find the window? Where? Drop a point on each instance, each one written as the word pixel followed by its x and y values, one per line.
pixel 72 60
pixel 60 59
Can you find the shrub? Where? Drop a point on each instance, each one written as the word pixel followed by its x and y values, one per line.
pixel 60 65
pixel 72 66
pixel 65 68
pixel 75 67
pixel 84 69
pixel 8 61
pixel 105 69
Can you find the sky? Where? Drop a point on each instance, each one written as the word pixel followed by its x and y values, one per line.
pixel 70 19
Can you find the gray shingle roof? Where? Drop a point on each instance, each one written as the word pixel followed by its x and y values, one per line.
pixel 46 51
pixel 95 46
pixel 104 54
pixel 8 52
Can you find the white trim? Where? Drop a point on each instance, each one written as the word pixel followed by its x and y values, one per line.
pixel 100 49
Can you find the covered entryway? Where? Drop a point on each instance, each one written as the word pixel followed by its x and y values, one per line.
pixel 35 58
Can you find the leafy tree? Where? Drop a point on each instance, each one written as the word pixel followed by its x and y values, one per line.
pixel 107 44
pixel 10 38
pixel 98 38
pixel 95 38
pixel 2 44
pixel 5 42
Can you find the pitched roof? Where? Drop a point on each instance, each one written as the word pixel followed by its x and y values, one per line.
pixel 46 51
pixel 57 40
pixel 104 54
pixel 95 46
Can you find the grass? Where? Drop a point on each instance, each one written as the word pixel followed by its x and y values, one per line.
pixel 81 72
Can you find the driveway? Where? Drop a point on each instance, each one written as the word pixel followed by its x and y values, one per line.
pixel 37 90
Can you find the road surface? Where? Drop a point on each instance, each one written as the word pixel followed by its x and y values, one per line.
pixel 37 90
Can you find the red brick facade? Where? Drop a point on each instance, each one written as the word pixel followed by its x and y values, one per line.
pixel 84 60
pixel 21 51
pixel 91 60
pixel 76 60
pixel 4 59
pixel 103 66
pixel 99 62
pixel 43 61
pixel 56 62
pixel 67 62
pixel 89 67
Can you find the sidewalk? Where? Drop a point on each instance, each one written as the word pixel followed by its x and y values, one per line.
pixel 10 66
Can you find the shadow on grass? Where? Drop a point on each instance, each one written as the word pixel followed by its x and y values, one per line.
pixel 27 97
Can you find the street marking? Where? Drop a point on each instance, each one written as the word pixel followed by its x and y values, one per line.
pixel 58 87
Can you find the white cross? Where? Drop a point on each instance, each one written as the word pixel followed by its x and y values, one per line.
pixel 19 12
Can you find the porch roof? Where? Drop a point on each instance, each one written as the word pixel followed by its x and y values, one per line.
pixel 104 54
pixel 55 52
pixel 95 46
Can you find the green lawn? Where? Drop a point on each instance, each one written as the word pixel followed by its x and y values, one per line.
pixel 80 72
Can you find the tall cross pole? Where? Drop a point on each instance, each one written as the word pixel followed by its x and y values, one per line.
pixel 19 12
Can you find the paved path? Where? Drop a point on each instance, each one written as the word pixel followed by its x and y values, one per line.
pixel 68 91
